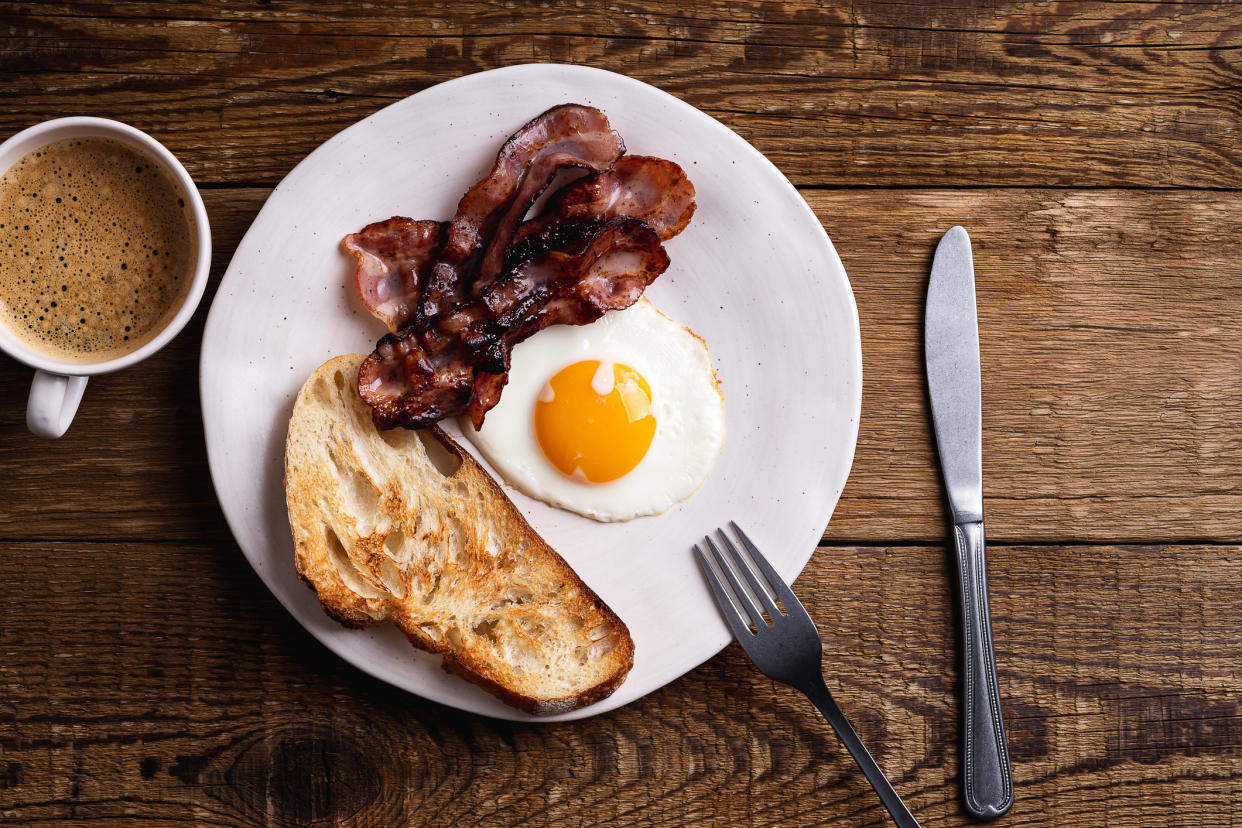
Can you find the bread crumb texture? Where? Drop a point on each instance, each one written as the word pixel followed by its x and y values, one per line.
pixel 405 527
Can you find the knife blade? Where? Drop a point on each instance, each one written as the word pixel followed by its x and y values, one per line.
pixel 951 341
pixel 951 354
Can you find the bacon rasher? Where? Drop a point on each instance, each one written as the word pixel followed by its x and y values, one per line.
pixel 457 297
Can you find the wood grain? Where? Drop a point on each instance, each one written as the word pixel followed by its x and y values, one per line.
pixel 865 94
pixel 1110 344
pixel 1110 341
pixel 168 687
pixel 147 678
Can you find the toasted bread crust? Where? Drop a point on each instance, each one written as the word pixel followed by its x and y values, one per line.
pixel 385 531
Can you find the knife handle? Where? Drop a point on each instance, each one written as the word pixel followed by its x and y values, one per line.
pixel 987 778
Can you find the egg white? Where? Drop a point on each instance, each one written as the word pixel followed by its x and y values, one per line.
pixel 686 402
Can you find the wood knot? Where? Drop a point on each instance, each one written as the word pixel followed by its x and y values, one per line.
pixel 291 777
pixel 303 778
pixel 11 775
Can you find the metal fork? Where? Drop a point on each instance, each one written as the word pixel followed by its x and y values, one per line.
pixel 786 647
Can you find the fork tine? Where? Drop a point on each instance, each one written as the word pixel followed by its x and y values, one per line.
pixel 730 612
pixel 764 594
pixel 756 617
pixel 779 587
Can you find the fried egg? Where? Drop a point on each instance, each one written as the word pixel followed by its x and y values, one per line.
pixel 614 420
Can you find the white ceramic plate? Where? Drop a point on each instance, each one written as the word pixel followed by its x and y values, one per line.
pixel 754 274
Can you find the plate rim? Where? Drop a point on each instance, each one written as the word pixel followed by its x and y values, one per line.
pixel 216 314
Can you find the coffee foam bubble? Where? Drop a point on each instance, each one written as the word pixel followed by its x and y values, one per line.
pixel 96 249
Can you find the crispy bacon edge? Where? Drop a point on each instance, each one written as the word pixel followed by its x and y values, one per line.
pixel 655 190
pixel 569 135
pixel 395 256
pixel 415 378
pixel 458 296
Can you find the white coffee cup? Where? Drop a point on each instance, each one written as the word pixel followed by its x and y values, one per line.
pixel 58 383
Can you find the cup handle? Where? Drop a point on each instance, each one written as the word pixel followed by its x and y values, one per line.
pixel 53 401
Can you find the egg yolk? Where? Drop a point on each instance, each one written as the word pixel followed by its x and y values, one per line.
pixel 593 420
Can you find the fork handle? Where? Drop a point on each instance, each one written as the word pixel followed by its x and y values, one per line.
pixel 819 693
pixel 986 775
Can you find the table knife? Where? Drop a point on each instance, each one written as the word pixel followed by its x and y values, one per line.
pixel 951 351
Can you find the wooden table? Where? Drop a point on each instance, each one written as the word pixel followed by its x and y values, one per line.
pixel 1095 152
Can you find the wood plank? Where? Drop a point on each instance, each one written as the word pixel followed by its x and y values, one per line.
pixel 157 684
pixel 1110 348
pixel 866 94
pixel 1110 354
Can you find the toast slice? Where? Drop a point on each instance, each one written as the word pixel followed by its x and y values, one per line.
pixel 405 527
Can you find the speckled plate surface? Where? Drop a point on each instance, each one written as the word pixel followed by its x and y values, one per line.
pixel 754 274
